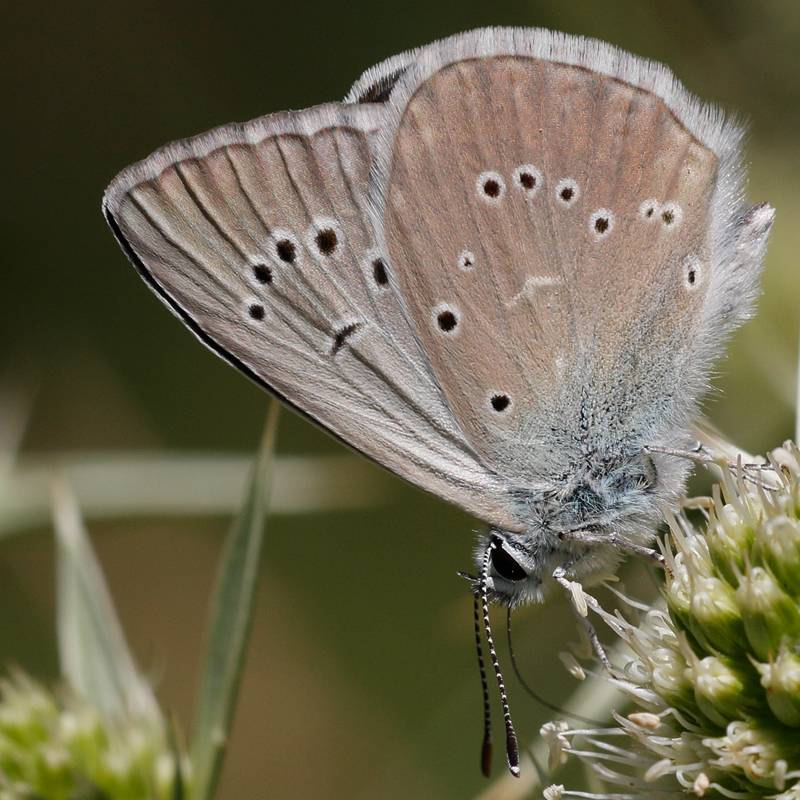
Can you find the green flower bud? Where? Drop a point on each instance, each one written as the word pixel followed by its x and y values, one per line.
pixel 769 613
pixel 679 595
pixel 779 547
pixel 781 679
pixel 729 537
pixel 754 750
pixel 723 690
pixel 670 679
pixel 715 618
pixel 62 749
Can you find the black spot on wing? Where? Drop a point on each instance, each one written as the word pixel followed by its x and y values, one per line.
pixel 342 335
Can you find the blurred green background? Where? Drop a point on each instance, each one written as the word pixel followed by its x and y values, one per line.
pixel 361 680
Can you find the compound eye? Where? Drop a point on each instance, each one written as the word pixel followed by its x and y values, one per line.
pixel 505 566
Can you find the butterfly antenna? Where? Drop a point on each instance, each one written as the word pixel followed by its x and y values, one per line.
pixel 512 748
pixel 486 749
pixel 552 706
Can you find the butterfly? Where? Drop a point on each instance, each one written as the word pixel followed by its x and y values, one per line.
pixel 501 268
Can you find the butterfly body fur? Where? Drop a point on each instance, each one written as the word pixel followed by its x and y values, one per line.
pixel 501 268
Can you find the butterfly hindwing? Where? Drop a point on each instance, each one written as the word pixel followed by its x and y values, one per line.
pixel 582 275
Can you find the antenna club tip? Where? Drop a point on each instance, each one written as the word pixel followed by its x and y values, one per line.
pixel 512 754
pixel 486 759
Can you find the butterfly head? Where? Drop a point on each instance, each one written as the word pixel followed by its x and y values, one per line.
pixel 510 568
pixel 581 527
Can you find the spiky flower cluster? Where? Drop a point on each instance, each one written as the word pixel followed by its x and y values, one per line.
pixel 60 749
pixel 715 670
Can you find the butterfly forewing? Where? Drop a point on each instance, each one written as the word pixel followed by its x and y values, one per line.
pixel 558 184
pixel 257 237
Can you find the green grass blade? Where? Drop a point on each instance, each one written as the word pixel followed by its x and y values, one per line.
pixel 93 652
pixel 229 626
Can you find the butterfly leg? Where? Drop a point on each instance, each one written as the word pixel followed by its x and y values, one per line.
pixel 588 537
pixel 703 454
pixel 560 574
pixel 649 466
pixel 697 452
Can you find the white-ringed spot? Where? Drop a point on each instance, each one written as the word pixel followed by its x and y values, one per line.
pixel 528 179
pixel 324 237
pixel 490 186
pixel 260 270
pixel 446 318
pixel 670 215
pixel 567 191
pixel 500 402
pixel 376 271
pixel 256 311
pixel 466 260
pixel 648 210
pixel 601 223
pixel 287 248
